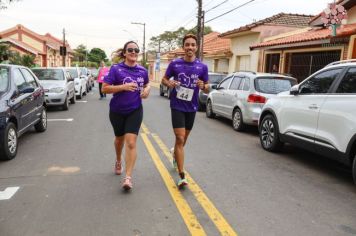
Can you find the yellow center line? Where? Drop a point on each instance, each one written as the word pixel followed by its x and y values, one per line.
pixel 220 222
pixel 183 207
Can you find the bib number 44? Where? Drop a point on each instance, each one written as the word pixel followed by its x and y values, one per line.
pixel 185 94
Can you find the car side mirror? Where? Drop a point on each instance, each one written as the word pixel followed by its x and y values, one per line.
pixel 27 90
pixel 219 88
pixel 214 86
pixel 294 90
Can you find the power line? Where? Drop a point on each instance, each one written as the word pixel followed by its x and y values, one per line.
pixel 216 6
pixel 244 4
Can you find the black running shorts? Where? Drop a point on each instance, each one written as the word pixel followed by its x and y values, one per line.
pixel 181 119
pixel 128 123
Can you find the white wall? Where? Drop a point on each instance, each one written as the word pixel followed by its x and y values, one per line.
pixel 240 46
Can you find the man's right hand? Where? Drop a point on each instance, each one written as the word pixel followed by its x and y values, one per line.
pixel 172 84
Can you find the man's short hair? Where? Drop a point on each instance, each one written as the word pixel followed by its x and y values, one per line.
pixel 187 36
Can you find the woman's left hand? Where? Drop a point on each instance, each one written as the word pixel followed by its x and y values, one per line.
pixel 145 92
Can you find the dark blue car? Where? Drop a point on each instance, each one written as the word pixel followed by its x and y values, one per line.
pixel 22 106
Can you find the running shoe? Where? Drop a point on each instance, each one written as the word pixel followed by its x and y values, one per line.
pixel 118 168
pixel 175 166
pixel 127 183
pixel 182 182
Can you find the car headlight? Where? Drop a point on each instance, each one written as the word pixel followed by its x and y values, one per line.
pixel 56 90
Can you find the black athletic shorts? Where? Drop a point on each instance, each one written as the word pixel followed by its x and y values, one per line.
pixel 128 123
pixel 181 119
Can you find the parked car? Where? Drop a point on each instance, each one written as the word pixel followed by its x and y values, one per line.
pixel 163 89
pixel 22 107
pixel 318 114
pixel 214 79
pixel 241 96
pixel 58 86
pixel 80 84
pixel 84 74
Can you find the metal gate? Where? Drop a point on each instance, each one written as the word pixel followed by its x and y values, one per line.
pixel 301 65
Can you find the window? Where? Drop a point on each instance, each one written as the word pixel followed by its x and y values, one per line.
pixel 241 86
pixel 273 85
pixel 348 83
pixel 225 84
pixel 235 83
pixel 246 84
pixel 4 79
pixel 19 80
pixel 29 78
pixel 320 83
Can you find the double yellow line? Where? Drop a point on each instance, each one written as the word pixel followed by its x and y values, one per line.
pixel 191 221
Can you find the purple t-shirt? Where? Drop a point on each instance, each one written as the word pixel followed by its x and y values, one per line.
pixel 125 102
pixel 187 73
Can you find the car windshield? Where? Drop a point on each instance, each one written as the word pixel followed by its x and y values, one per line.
pixel 83 71
pixel 73 72
pixel 49 74
pixel 4 79
pixel 215 79
pixel 273 85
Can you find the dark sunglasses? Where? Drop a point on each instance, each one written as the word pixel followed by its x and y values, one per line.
pixel 131 50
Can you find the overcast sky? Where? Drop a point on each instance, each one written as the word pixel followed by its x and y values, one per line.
pixel 107 23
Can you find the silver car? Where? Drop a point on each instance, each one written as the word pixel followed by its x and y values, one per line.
pixel 80 83
pixel 241 96
pixel 58 86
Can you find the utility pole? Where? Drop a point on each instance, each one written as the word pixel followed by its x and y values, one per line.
pixel 199 33
pixel 64 48
pixel 202 36
pixel 144 41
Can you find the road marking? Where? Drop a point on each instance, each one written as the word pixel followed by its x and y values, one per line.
pixel 183 207
pixel 220 222
pixel 69 169
pixel 82 101
pixel 69 119
pixel 8 193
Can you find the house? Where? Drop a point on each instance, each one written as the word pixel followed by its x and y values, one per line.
pixel 243 37
pixel 45 48
pixel 302 53
pixel 216 54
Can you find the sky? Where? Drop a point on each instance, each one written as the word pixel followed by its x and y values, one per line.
pixel 107 24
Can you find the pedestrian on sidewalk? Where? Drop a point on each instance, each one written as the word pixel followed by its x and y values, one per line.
pixel 103 70
pixel 128 82
pixel 189 75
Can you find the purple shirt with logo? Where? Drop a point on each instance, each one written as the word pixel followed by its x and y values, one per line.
pixel 125 102
pixel 187 73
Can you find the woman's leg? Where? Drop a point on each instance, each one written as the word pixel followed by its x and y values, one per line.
pixel 101 94
pixel 119 144
pixel 130 152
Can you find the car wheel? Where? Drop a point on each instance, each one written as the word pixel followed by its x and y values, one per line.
pixel 73 99
pixel 41 126
pixel 269 134
pixel 209 110
pixel 237 120
pixel 354 169
pixel 161 93
pixel 9 142
pixel 66 104
pixel 200 106
pixel 80 94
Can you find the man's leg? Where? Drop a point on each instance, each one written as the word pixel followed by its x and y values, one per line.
pixel 180 135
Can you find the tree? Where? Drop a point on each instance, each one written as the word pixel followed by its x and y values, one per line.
pixel 80 53
pixel 4 3
pixel 97 55
pixel 170 40
pixel 5 52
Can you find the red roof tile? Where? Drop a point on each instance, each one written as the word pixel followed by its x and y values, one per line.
pixel 311 35
pixel 294 20
pixel 212 44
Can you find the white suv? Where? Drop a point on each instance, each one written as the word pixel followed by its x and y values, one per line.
pixel 318 114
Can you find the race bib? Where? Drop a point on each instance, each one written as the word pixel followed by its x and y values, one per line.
pixel 185 94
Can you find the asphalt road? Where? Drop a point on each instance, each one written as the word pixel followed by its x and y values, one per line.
pixel 66 184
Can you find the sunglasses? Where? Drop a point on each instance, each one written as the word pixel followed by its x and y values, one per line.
pixel 131 50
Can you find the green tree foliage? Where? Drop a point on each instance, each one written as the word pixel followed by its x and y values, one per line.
pixel 97 55
pixel 11 57
pixel 170 40
pixel 4 3
pixel 80 53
